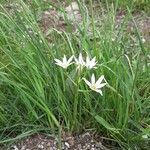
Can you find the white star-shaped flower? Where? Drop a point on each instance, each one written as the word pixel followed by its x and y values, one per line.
pixel 64 63
pixel 90 63
pixel 79 62
pixel 95 85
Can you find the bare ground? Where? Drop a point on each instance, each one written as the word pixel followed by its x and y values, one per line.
pixel 86 141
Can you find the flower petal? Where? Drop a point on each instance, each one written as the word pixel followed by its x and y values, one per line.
pixel 90 63
pixel 76 60
pixel 58 61
pixel 80 57
pixel 99 80
pixel 100 85
pixel 99 91
pixel 61 65
pixel 64 59
pixel 70 59
pixel 87 60
pixel 87 82
pixel 93 60
pixel 93 79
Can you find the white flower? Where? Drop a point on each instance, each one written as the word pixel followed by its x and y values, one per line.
pixel 64 63
pixel 95 85
pixel 79 62
pixel 90 63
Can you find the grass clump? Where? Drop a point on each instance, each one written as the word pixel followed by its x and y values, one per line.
pixel 38 95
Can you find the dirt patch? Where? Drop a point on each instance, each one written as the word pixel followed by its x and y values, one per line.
pixel 139 19
pixel 53 18
pixel 84 141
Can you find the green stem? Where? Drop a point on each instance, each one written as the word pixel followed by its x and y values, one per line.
pixel 75 105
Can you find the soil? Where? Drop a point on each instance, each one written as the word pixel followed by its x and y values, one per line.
pixel 86 141
pixel 53 18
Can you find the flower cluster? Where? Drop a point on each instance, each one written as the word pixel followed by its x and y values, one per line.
pixel 89 64
pixel 80 63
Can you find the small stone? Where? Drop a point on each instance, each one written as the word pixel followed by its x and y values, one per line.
pixel 23 148
pixel 73 6
pixel 52 148
pixel 93 146
pixel 47 13
pixel 55 143
pixel 84 147
pixel 48 144
pixel 86 134
pixel 98 144
pixel 79 146
pixel 14 147
pixel 88 146
pixel 40 146
pixel 67 144
pixel 92 141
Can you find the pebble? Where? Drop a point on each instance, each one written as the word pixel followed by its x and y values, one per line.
pixel 48 144
pixel 80 146
pixel 93 146
pixel 98 144
pixel 67 144
pixel 23 147
pixel 42 143
pixel 47 13
pixel 87 146
pixel 14 147
pixel 40 146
